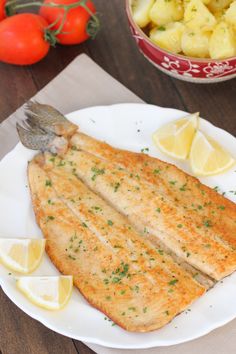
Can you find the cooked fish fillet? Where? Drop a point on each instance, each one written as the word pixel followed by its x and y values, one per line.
pixel 137 285
pixel 198 202
pixel 201 244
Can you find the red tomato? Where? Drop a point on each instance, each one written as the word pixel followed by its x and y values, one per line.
pixel 2 9
pixel 22 39
pixel 75 24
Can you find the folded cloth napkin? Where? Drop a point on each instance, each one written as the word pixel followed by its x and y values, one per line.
pixel 82 84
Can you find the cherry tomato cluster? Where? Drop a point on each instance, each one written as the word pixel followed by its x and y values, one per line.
pixel 25 38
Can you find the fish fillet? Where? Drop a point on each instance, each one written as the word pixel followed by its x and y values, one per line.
pixel 201 243
pixel 196 200
pixel 118 271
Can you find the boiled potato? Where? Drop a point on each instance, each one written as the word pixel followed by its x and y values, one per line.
pixel 222 42
pixel 140 9
pixel 198 17
pixel 215 5
pixel 168 37
pixel 166 11
pixel 230 14
pixel 219 15
pixel 195 43
pixel 186 2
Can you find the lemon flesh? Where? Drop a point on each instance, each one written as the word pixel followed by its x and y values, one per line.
pixel 207 157
pixel 175 138
pixel 51 292
pixel 21 255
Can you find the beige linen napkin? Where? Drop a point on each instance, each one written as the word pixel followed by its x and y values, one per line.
pixel 82 84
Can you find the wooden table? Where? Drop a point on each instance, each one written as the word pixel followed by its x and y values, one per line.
pixel 116 52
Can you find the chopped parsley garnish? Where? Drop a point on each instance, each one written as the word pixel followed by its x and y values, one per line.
pixel 50 217
pixel 233 192
pixel 84 224
pixel 73 147
pixel 161 28
pixel 183 188
pixel 48 183
pixel 173 282
pixel 50 202
pixel 61 163
pixel 96 172
pixel 207 223
pixel 71 257
pixel 179 226
pixel 144 150
pixel 132 308
pixel 158 210
pixel 161 252
pixel 116 187
pixel 116 280
pixel 156 171
pixel 110 223
pixel 136 288
pixel 207 245
pixel 221 207
pixel 172 182
pixel 120 273
pixel 144 309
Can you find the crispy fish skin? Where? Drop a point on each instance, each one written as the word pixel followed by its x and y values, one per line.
pixel 198 201
pixel 137 286
pixel 150 213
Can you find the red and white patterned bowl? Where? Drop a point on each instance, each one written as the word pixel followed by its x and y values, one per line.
pixel 180 66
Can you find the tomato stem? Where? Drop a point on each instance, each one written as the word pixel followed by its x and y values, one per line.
pixel 9 7
pixel 62 23
pixel 92 26
pixel 50 4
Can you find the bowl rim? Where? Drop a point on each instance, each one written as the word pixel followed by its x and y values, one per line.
pixel 155 46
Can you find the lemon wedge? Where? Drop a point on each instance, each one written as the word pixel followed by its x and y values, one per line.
pixel 21 255
pixel 51 292
pixel 175 138
pixel 207 157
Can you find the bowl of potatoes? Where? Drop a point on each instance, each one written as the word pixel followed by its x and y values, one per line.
pixel 191 40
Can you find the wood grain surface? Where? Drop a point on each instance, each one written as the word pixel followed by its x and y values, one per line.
pixel 116 52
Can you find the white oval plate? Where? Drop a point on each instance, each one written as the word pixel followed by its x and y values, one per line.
pixel 127 126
